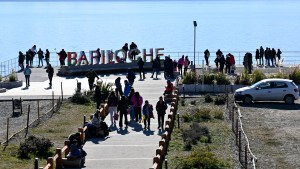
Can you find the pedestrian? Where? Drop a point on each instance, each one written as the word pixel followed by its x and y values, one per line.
pixel 125 49
pixel 155 66
pixel 118 89
pixel 28 57
pixel 137 104
pixel 47 57
pixel 133 50
pixel 273 57
pixel 148 114
pixel 227 64
pixel 222 63
pixel 50 72
pixel 168 67
pixel 169 88
pixel 278 56
pixel 97 95
pixel 248 62
pixel 257 57
pixel 131 106
pixel 21 59
pixel 180 63
pixel 98 55
pixel 27 73
pixel 123 109
pixel 186 64
pixel 32 53
pixel 130 76
pixel 141 68
pixel 91 75
pixel 232 63
pixel 112 104
pixel 161 108
pixel 206 56
pixel 127 88
pixel 62 56
pixel 41 57
pixel 261 56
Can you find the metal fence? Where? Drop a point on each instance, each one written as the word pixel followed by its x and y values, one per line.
pixel 290 58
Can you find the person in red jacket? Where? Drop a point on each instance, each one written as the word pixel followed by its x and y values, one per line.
pixel 169 88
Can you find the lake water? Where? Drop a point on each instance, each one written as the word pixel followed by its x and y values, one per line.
pixel 236 25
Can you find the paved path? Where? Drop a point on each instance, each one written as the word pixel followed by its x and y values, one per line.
pixel 130 148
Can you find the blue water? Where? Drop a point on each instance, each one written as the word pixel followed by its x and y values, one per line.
pixel 237 25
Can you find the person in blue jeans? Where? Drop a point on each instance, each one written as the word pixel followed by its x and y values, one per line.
pixel 27 73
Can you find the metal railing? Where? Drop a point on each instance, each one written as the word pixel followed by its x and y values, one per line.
pixel 290 58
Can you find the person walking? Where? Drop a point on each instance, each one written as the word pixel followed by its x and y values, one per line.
pixel 131 106
pixel 50 72
pixel 27 73
pixel 278 56
pixel 222 63
pixel 161 108
pixel 180 63
pixel 47 57
pixel 118 89
pixel 122 108
pixel 186 64
pixel 130 76
pixel 91 75
pixel 21 59
pixel 141 68
pixel 147 113
pixel 137 101
pixel 155 66
pixel 112 104
pixel 127 88
pixel 41 57
pixel 206 56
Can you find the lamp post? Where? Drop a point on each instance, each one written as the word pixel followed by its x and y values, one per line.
pixel 195 25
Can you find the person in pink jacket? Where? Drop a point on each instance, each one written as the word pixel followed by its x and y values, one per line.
pixel 137 101
pixel 186 64
pixel 180 63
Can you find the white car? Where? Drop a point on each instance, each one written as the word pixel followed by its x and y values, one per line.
pixel 269 90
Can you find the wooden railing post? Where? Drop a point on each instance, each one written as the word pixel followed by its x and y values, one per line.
pixel 246 157
pixel 38 106
pixel 236 131
pixel 50 161
pixel 240 146
pixel 59 159
pixel 7 131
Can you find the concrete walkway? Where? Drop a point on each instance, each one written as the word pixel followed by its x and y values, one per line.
pixel 127 148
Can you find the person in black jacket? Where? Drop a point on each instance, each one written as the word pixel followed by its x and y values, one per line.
pixel 161 108
pixel 47 57
pixel 21 59
pixel 155 66
pixel 141 68
pixel 50 72
pixel 222 63
pixel 97 96
pixel 130 76
pixel 91 75
pixel 122 108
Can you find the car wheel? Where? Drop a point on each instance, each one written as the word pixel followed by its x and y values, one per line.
pixel 289 99
pixel 247 99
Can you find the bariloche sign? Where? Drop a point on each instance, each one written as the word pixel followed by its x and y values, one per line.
pixel 109 57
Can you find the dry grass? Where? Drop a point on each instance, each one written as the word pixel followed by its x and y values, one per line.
pixel 57 129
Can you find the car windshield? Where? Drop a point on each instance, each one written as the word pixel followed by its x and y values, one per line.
pixel 256 84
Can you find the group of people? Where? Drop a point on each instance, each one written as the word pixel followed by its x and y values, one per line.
pixel 271 56
pixel 29 56
pixel 221 61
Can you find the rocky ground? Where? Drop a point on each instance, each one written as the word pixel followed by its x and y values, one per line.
pixel 18 123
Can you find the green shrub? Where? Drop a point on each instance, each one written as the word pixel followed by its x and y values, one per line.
pixel 221 79
pixel 12 77
pixel 295 75
pixel 106 88
pixel 189 78
pixel 80 98
pixel 202 114
pixel 186 117
pixel 258 75
pixel 202 159
pixel 243 79
pixel 217 113
pixel 193 134
pixel 279 75
pixel 35 146
pixel 208 98
pixel 209 78
pixel 220 99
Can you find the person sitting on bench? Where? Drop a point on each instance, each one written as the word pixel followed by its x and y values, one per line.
pixel 169 88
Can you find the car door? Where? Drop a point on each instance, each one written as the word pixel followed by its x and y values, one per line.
pixel 262 92
pixel 279 90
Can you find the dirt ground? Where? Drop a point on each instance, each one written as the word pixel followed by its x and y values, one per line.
pixel 273 129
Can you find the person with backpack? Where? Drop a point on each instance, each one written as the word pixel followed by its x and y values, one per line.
pixel 148 114
pixel 50 72
pixel 161 108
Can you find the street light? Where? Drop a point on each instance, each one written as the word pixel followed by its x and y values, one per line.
pixel 195 25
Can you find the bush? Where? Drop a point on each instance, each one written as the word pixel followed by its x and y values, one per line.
pixel 35 146
pixel 279 75
pixel 202 114
pixel 12 77
pixel 209 78
pixel 193 102
pixel 221 79
pixel 244 79
pixel 80 98
pixel 202 159
pixel 193 134
pixel 208 98
pixel 189 78
pixel 295 76
pixel 186 117
pixel 220 99
pixel 258 75
pixel 217 113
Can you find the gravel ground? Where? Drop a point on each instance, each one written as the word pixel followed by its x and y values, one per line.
pixel 273 129
pixel 18 123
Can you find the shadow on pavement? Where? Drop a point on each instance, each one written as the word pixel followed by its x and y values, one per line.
pixel 97 140
pixel 123 131
pixel 148 132
pixel 272 105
